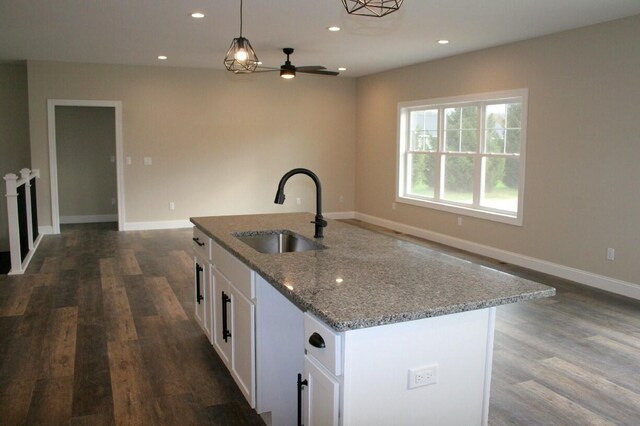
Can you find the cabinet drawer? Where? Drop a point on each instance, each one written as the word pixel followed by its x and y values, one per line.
pixel 316 332
pixel 202 244
pixel 235 271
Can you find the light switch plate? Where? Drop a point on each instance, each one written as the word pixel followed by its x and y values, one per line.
pixel 147 161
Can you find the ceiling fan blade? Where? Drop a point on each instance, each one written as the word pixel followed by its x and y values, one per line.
pixel 321 72
pixel 312 67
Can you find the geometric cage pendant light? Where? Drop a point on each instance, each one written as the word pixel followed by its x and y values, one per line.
pixel 376 8
pixel 241 58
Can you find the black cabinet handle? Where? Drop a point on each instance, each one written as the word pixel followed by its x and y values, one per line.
pixel 317 341
pixel 197 241
pixel 198 293
pixel 225 330
pixel 301 383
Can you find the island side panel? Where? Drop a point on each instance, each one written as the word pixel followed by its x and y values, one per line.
pixel 377 362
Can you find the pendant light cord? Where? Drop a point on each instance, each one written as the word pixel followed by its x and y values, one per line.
pixel 240 18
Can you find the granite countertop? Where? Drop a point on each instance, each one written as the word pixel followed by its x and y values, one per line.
pixel 364 279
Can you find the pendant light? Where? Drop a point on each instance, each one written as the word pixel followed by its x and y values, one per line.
pixel 241 58
pixel 375 8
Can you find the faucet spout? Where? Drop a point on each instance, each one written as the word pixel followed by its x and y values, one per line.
pixel 319 220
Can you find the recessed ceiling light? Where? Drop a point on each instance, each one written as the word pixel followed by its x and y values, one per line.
pixel 443 41
pixel 333 29
pixel 342 69
pixel 197 15
pixel 162 57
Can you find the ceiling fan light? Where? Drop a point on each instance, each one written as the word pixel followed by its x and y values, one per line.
pixel 375 8
pixel 287 74
pixel 241 58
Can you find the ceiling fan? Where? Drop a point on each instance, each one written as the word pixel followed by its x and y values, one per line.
pixel 288 70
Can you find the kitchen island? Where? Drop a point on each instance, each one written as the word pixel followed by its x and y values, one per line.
pixel 382 330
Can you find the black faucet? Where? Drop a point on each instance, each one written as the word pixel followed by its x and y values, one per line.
pixel 319 221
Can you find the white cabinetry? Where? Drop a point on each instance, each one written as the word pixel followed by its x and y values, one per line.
pixel 233 290
pixel 361 377
pixel 321 395
pixel 280 353
pixel 201 283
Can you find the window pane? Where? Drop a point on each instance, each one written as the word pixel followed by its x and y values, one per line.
pixel 501 176
pixel 469 140
pixel 452 118
pixel 424 130
pixel 461 129
pixel 470 117
pixel 514 115
pixel 458 179
pixel 495 129
pixel 422 177
pixel 513 141
pixel 452 140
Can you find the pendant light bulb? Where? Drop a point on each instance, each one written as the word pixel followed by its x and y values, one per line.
pixel 241 55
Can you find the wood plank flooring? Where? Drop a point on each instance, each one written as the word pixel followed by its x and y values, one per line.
pixel 100 331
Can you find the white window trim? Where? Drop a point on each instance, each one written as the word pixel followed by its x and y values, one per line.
pixel 485 213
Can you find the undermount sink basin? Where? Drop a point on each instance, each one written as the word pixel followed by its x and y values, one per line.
pixel 277 241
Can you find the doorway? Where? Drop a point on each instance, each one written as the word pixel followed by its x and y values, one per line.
pixel 86 162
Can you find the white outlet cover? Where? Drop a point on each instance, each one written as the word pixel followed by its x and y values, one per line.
pixel 128 160
pixel 147 161
pixel 423 376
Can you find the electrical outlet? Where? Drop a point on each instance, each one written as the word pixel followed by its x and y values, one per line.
pixel 128 161
pixel 459 221
pixel 611 253
pixel 113 201
pixel 112 158
pixel 147 161
pixel 298 201
pixel 172 205
pixel 423 376
pixel 393 206
pixel 341 199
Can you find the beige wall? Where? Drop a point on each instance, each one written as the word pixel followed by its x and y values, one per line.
pixel 219 143
pixel 14 133
pixel 583 145
pixel 85 143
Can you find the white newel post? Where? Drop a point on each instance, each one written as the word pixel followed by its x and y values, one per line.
pixel 11 181
pixel 25 174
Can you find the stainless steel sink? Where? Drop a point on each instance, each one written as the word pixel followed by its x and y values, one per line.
pixel 277 241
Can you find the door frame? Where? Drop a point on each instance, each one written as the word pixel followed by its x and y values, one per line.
pixel 53 158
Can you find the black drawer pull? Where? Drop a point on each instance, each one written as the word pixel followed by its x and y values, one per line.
pixel 225 329
pixel 198 293
pixel 197 241
pixel 301 384
pixel 316 340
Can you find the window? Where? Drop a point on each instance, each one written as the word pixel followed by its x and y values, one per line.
pixel 465 154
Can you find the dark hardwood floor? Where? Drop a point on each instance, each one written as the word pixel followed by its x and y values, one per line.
pixel 100 331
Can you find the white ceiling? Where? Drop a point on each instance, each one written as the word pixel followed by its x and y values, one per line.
pixel 137 31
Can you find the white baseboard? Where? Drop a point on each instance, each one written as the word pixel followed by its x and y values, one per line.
pixel 96 218
pixel 45 230
pixel 162 224
pixel 340 215
pixel 583 277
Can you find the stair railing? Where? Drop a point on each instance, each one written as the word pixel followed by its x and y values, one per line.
pixel 22 215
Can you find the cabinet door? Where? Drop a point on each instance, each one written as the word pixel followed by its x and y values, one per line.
pixel 243 342
pixel 321 395
pixel 199 285
pixel 222 334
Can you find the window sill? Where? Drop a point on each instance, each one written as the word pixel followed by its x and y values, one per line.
pixel 461 210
